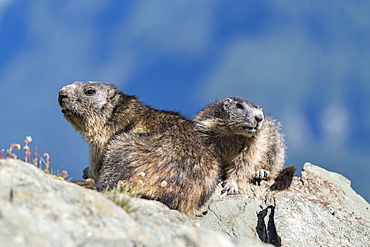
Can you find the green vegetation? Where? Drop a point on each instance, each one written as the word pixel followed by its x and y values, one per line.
pixel 122 197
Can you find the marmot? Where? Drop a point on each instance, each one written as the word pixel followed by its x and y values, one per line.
pixel 249 146
pixel 128 138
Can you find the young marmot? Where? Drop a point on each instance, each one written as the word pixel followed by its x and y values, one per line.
pixel 131 142
pixel 249 146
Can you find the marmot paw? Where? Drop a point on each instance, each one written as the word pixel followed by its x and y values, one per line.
pixel 101 187
pixel 85 173
pixel 261 174
pixel 230 187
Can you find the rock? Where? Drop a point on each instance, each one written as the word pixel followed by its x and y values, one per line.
pixel 319 209
pixel 235 217
pixel 38 210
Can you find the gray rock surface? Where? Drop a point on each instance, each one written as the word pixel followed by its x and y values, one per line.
pixel 320 209
pixel 39 210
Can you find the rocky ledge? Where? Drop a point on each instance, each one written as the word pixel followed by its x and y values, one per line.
pixel 319 209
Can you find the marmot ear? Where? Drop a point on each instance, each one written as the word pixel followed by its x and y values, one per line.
pixel 112 93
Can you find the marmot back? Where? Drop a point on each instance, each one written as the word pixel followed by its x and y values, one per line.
pixel 128 139
pixel 249 146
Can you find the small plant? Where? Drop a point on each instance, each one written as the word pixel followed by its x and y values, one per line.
pixel 63 174
pixel 46 161
pixel 35 157
pixel 121 196
pixel 9 152
pixel 27 157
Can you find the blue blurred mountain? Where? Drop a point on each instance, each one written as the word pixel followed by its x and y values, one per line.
pixel 307 63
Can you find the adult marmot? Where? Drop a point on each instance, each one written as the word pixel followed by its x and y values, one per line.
pixel 249 146
pixel 127 138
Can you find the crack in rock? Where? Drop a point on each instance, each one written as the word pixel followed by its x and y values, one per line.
pixel 266 229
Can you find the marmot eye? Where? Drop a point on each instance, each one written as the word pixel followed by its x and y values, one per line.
pixel 90 92
pixel 239 106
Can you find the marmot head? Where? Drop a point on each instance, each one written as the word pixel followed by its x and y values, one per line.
pixel 231 116
pixel 85 101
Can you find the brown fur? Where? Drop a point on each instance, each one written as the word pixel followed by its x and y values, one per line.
pixel 249 146
pixel 127 138
pixel 285 178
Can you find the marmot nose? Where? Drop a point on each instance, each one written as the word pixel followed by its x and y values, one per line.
pixel 259 118
pixel 64 92
pixel 61 96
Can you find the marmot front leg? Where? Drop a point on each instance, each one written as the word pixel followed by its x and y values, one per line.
pixel 231 187
pixel 235 174
pixel 109 176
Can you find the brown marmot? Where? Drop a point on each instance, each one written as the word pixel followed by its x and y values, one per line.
pixel 249 146
pixel 128 138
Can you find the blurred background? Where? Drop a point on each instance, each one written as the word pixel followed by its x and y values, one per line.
pixel 306 63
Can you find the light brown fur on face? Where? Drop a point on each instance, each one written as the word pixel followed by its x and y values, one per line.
pixel 128 138
pixel 249 146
